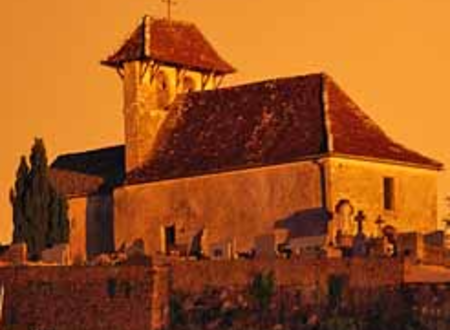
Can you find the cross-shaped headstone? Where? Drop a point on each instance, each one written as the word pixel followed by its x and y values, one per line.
pixel 360 218
pixel 169 3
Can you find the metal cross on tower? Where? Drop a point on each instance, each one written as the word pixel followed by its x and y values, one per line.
pixel 169 4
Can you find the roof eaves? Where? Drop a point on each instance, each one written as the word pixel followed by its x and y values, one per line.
pixel 437 167
pixel 119 63
pixel 144 33
pixel 239 168
pixel 203 69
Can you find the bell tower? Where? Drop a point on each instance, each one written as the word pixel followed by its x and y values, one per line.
pixel 159 61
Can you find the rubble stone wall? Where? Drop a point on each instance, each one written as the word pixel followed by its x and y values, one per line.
pixel 15 254
pixel 60 298
pixel 219 292
pixel 195 276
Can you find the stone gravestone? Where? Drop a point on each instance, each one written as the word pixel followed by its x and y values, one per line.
pixel 360 242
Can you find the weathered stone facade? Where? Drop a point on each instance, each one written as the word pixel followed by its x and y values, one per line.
pixel 308 274
pixel 140 297
pixel 238 207
pixel 90 298
pixel 91 226
pixel 156 66
pixel 361 183
pixel 148 90
pixel 245 206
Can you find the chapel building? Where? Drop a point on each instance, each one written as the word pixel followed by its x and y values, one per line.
pixel 224 171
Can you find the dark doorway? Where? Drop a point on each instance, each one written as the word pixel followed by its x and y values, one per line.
pixel 170 238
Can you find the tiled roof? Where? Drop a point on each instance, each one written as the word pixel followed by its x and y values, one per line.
pixel 353 133
pixel 170 42
pixel 271 122
pixel 256 124
pixel 89 172
pixel 267 123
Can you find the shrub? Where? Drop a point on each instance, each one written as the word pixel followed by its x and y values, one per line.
pixel 262 289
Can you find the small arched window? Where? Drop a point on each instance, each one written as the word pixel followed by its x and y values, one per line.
pixel 188 85
pixel 162 89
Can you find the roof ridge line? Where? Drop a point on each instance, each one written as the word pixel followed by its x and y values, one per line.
pixel 156 38
pixel 87 151
pixel 437 167
pixel 260 82
pixel 146 34
pixel 326 117
pixel 176 21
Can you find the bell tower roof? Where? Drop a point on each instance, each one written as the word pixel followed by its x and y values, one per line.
pixel 170 42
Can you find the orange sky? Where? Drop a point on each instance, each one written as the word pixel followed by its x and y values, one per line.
pixel 391 56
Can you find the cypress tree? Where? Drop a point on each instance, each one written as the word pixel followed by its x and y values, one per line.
pixel 58 231
pixel 37 199
pixel 17 198
pixel 39 212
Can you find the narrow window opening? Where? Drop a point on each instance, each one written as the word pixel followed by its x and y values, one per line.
pixel 162 90
pixel 170 238
pixel 388 194
pixel 188 85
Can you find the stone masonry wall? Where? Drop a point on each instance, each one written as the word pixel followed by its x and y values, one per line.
pixel 239 207
pixel 15 254
pixel 195 276
pixel 91 226
pixel 137 297
pixel 361 182
pixel 77 218
pixel 145 99
pixel 61 298
pixel 217 294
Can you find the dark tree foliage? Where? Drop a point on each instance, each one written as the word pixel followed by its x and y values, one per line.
pixel 336 288
pixel 39 212
pixel 262 288
pixel 17 197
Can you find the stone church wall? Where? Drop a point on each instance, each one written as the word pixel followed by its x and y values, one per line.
pixel 88 298
pixel 235 208
pixel 361 182
pixel 145 97
pixel 91 223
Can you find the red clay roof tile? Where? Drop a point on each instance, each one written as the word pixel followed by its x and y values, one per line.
pixel 265 123
pixel 270 122
pixel 89 172
pixel 171 42
pixel 354 133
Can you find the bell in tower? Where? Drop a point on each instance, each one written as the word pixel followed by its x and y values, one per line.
pixel 160 60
